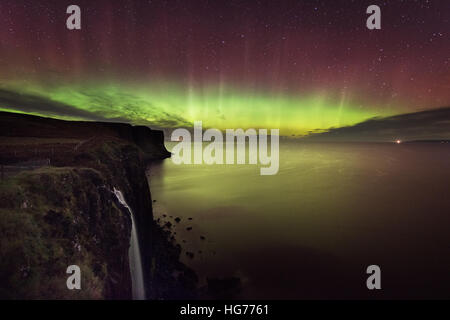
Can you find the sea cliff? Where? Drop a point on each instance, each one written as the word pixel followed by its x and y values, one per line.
pixel 57 208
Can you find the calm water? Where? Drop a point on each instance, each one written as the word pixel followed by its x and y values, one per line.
pixel 311 230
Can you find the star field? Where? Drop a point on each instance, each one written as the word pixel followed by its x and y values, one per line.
pixel 299 65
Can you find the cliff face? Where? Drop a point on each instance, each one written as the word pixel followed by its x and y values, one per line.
pixel 57 208
pixel 123 166
pixel 55 217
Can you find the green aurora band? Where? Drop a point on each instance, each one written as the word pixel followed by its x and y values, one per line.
pixel 165 105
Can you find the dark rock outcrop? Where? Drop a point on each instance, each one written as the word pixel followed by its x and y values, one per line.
pixel 151 142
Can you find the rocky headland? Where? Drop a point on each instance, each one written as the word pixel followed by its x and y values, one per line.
pixel 57 208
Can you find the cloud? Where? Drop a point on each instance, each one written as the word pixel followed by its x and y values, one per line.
pixel 30 103
pixel 425 125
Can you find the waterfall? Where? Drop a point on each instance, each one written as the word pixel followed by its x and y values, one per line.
pixel 134 255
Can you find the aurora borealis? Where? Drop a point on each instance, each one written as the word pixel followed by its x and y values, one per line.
pixel 299 66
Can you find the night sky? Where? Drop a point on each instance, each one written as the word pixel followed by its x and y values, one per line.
pixel 295 65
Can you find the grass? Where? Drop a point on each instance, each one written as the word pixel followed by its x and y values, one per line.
pixel 46 226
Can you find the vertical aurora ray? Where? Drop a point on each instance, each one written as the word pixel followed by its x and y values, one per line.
pixel 299 66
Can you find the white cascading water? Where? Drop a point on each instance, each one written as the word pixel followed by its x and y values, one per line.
pixel 134 255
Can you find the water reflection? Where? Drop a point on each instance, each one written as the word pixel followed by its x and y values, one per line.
pixel 311 230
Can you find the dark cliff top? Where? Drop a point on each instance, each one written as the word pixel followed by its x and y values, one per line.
pixel 25 136
pixel 24 125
